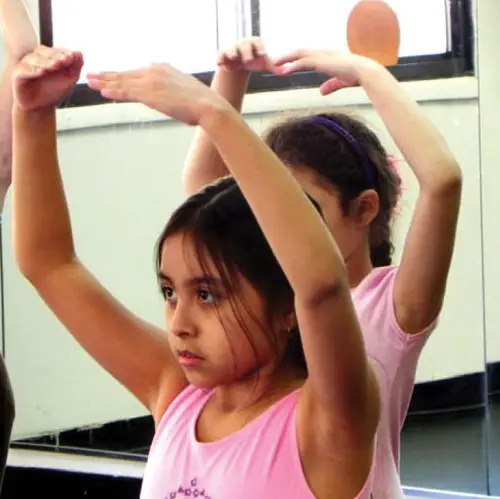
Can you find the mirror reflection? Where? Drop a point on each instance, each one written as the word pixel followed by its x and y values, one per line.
pixel 489 106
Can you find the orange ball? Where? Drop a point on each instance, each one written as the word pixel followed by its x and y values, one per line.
pixel 373 32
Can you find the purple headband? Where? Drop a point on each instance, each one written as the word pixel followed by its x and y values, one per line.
pixel 355 146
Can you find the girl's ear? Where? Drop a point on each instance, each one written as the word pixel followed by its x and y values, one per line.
pixel 364 209
pixel 287 321
pixel 290 321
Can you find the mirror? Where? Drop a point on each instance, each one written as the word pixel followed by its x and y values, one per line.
pixel 488 41
pixel 122 167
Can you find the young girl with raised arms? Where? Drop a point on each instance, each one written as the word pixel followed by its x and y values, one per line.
pixel 260 386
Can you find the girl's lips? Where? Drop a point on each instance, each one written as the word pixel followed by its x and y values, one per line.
pixel 188 353
pixel 189 359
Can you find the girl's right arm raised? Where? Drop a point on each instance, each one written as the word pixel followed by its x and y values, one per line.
pixel 204 164
pixel 137 354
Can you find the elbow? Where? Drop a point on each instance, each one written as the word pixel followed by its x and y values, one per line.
pixel 448 182
pixel 40 255
pixel 29 267
pixel 323 292
pixel 452 182
pixel 37 271
pixel 30 271
pixel 191 185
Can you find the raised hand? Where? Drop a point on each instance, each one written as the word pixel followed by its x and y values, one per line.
pixel 248 55
pixel 160 87
pixel 343 67
pixel 44 77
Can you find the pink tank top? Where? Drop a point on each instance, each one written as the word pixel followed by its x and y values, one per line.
pixel 393 355
pixel 260 461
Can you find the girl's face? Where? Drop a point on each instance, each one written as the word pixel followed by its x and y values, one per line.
pixel 216 339
pixel 349 230
pixel 328 199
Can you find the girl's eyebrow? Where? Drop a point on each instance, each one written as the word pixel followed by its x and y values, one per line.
pixel 206 280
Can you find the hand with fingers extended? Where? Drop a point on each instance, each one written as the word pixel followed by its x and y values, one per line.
pixel 344 68
pixel 44 77
pixel 160 87
pixel 247 55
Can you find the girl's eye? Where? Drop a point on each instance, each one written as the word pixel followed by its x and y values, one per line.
pixel 207 297
pixel 168 293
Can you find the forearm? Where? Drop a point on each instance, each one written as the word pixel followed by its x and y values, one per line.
pixel 19 33
pixel 311 262
pixel 204 164
pixel 42 230
pixel 232 85
pixel 416 137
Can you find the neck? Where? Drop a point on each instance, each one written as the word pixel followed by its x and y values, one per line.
pixel 359 265
pixel 258 389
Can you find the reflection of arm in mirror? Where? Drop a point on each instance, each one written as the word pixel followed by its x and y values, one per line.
pixel 5 131
pixel 20 37
pixel 203 164
pixel 17 28
pixel 134 352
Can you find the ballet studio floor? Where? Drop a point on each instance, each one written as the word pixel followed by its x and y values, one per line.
pixel 448 451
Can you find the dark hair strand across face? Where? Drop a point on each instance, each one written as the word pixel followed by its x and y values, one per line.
pixel 220 223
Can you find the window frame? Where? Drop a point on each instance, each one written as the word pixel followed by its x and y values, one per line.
pixel 459 61
pixel 82 95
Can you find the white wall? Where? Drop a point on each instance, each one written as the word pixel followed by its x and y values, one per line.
pixel 124 181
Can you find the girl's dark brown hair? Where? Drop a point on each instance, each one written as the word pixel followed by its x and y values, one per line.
pixel 302 141
pixel 220 223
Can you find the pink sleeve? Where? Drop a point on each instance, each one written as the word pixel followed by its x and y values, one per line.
pixel 398 336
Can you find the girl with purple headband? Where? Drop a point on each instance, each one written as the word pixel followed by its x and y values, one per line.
pixel 343 166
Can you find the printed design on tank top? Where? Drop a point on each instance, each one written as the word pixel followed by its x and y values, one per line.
pixel 192 491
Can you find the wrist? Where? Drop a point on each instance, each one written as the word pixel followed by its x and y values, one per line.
pixel 226 81
pixel 367 69
pixel 33 117
pixel 20 46
pixel 18 53
pixel 231 85
pixel 217 114
pixel 232 74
